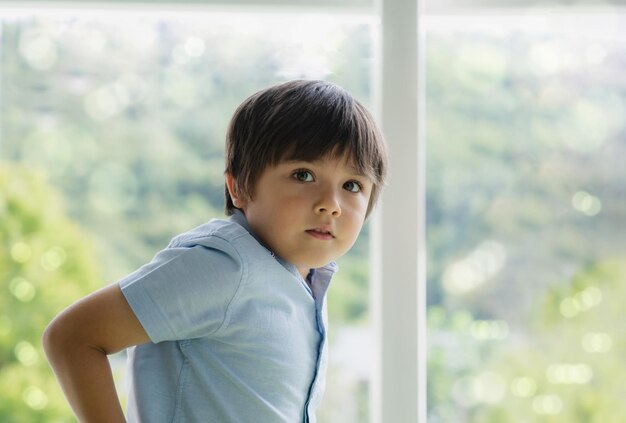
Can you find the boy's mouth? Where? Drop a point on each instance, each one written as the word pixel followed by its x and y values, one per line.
pixel 320 233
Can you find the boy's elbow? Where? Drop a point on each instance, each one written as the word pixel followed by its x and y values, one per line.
pixel 57 338
pixel 52 338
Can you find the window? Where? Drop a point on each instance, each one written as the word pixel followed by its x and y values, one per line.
pixel 123 117
pixel 525 209
pixel 497 261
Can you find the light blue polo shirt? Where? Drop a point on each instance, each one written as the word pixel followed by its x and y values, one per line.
pixel 237 334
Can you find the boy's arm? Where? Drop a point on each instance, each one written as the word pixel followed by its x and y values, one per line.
pixel 77 343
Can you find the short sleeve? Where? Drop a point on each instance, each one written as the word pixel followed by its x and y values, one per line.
pixel 185 292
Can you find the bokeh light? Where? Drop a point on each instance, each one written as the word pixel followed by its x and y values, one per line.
pixel 597 342
pixel 474 270
pixel 581 301
pixel 39 49
pixel 489 329
pixel 586 203
pixel 35 398
pixel 523 387
pixel 549 404
pixel 486 387
pixel 21 252
pixel 54 258
pixel 22 289
pixel 26 353
pixel 569 374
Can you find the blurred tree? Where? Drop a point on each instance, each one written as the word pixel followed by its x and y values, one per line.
pixel 566 369
pixel 46 262
pixel 127 116
pixel 571 369
pixel 525 200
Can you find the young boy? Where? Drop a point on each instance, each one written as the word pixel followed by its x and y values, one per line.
pixel 228 323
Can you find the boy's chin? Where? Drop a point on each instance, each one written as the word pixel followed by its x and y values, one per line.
pixel 314 264
pixel 312 261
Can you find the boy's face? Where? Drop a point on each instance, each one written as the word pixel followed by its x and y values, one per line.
pixel 308 213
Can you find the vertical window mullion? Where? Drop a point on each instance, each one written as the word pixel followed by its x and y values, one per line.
pixel 397 394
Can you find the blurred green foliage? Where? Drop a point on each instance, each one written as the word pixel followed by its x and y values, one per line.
pixel 126 119
pixel 562 370
pixel 525 206
pixel 46 261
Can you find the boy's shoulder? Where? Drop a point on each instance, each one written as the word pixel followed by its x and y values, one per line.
pixel 214 230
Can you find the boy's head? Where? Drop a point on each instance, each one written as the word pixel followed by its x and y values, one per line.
pixel 302 121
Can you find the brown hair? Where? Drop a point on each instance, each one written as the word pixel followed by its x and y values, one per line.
pixel 302 120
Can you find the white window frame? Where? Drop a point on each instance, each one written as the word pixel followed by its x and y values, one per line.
pixel 398 244
pixel 398 389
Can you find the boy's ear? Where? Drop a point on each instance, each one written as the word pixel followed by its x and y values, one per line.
pixel 239 200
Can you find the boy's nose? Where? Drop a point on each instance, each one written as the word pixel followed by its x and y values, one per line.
pixel 328 203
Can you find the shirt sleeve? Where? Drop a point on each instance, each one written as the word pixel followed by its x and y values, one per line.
pixel 185 292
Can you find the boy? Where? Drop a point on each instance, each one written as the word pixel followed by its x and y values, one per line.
pixel 228 323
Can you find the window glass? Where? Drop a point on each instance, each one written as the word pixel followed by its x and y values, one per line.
pixel 526 204
pixel 438 6
pixel 198 4
pixel 112 128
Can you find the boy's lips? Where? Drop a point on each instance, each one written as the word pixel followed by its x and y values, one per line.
pixel 321 233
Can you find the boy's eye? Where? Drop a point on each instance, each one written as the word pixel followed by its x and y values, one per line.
pixel 353 186
pixel 303 176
